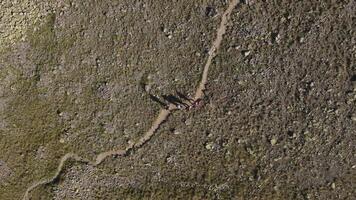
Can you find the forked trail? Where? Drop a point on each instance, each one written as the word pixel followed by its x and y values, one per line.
pixel 162 116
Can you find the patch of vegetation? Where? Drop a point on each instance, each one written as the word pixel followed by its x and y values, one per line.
pixel 31 118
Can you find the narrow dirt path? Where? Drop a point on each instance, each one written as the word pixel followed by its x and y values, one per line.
pixel 214 48
pixel 161 118
pixel 163 115
pixel 64 159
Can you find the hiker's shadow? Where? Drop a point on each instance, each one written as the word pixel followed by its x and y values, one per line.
pixel 180 101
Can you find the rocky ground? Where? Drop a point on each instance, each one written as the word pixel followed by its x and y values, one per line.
pixel 277 120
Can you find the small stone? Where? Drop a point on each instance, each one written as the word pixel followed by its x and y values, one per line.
pixel 130 142
pixel 209 146
pixel 273 141
pixel 61 140
pixel 301 40
pixel 147 88
pixel 176 132
pixel 333 186
pixel 275 38
pixel 170 159
pixel 188 122
pixel 283 19
pixel 275 188
pixel 246 53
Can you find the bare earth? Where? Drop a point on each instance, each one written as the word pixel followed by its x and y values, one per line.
pixel 275 81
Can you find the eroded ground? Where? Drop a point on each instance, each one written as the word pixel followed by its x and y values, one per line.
pixel 278 119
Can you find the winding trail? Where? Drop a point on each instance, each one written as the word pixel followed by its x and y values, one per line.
pixel 161 118
pixel 214 48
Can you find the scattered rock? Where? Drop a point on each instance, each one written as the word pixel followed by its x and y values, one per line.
pixel 353 118
pixel 209 145
pixel 276 188
pixel 275 38
pixel 301 40
pixel 273 141
pixel 170 159
pixel 246 52
pixel 147 87
pixel 41 153
pixel 175 131
pixel 212 146
pixel 168 33
pixel 188 121
pixel 333 186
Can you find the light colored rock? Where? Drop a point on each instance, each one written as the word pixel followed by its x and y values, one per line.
pixel 188 122
pixel 353 118
pixel 246 53
pixel 209 146
pixel 176 132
